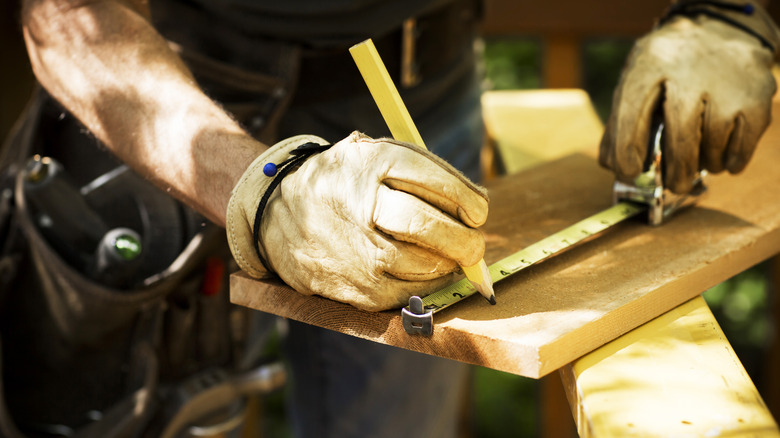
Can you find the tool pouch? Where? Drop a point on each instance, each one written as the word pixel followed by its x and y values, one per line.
pixel 70 344
pixel 83 310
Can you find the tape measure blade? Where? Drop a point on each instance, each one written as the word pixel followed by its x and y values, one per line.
pixel 537 252
pixel 449 295
pixel 565 239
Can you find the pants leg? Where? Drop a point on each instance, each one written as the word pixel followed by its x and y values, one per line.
pixel 349 387
pixel 343 386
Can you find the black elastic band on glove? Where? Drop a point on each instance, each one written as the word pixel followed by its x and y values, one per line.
pixel 299 155
pixel 689 9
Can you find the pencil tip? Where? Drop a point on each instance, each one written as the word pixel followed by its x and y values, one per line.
pixel 486 290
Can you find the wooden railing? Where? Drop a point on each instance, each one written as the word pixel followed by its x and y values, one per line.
pixel 563 25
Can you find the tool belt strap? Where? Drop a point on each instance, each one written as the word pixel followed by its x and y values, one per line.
pixel 422 47
pixel 746 15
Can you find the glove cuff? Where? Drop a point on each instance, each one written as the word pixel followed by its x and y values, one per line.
pixel 746 15
pixel 244 201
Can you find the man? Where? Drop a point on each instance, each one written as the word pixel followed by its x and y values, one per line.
pixel 359 221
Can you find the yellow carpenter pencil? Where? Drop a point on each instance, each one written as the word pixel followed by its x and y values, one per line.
pixel 402 127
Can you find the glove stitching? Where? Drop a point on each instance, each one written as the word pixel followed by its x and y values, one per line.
pixel 690 10
pixel 299 155
pixel 440 162
pixel 243 261
pixel 238 219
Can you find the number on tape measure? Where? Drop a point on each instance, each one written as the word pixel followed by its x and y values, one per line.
pixel 535 253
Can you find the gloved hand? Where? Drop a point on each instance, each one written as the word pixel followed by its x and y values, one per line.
pixel 369 222
pixel 715 84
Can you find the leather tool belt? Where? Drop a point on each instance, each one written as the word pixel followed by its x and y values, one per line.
pixel 257 79
pixel 422 47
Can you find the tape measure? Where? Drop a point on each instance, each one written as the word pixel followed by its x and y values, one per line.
pixel 418 316
pixel 536 253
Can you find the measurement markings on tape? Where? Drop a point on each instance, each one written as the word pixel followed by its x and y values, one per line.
pixel 530 255
pixel 645 194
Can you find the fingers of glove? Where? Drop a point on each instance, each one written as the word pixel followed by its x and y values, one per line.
pixel 437 183
pixel 409 219
pixel 410 262
pixel 715 138
pixel 732 128
pixel 368 281
pixel 627 138
pixel 391 293
pixel 607 145
pixel 753 116
pixel 742 143
pixel 682 139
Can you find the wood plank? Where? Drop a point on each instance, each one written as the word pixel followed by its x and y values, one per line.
pixel 583 18
pixel 552 399
pixel 602 18
pixel 562 61
pixel 556 123
pixel 677 375
pixel 560 310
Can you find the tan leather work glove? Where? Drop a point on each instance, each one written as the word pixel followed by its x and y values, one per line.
pixel 715 83
pixel 369 222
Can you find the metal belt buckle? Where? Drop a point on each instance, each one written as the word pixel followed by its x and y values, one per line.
pixel 648 187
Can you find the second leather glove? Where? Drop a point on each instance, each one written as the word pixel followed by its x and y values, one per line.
pixel 715 84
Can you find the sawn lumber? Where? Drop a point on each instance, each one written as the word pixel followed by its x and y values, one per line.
pixel 553 313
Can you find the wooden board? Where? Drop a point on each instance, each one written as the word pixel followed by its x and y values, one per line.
pixel 556 312
pixel 677 375
pixel 601 18
pixel 556 123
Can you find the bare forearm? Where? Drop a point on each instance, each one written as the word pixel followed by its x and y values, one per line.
pixel 105 62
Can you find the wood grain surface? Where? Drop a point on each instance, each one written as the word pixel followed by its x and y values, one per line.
pixel 676 375
pixel 555 312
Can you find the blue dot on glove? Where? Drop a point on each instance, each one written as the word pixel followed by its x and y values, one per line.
pixel 269 169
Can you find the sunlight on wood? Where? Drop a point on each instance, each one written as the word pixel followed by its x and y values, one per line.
pixel 530 127
pixel 674 376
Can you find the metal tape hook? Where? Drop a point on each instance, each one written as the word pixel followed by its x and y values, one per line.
pixel 415 319
pixel 648 187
